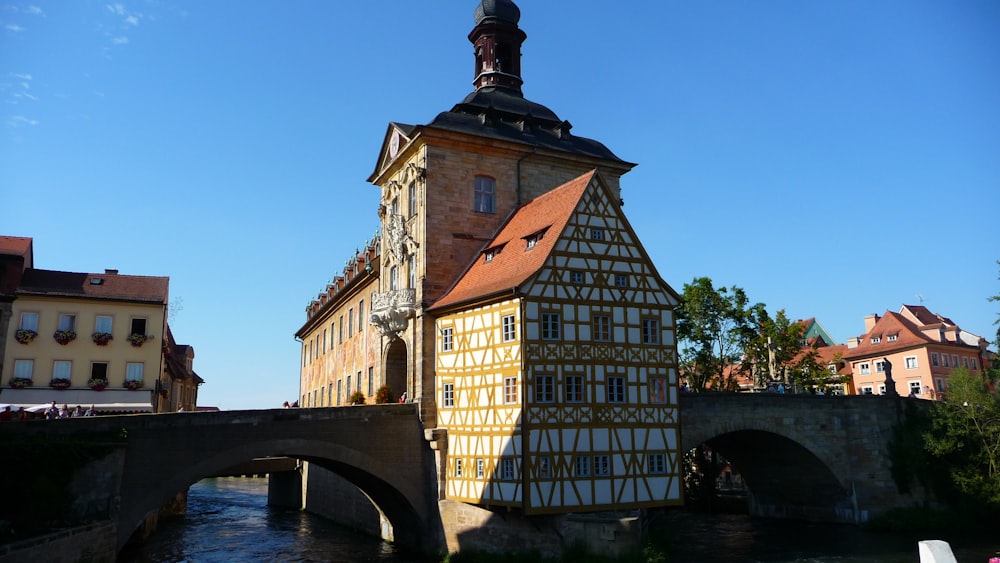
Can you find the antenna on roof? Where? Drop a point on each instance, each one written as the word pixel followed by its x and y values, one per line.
pixel 920 297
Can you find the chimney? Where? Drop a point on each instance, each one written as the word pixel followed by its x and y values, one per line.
pixel 870 321
pixel 110 271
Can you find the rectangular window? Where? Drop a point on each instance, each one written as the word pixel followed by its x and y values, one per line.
pixel 939 384
pixel 347 386
pixel 458 467
pixel 99 370
pixel 446 343
pixel 544 467
pixel 357 384
pixel 973 364
pixel 881 389
pixel 892 337
pixel 576 277
pixel 650 331
pixel 138 326
pixel 412 189
pixel 361 315
pixel 914 388
pixel 507 469
pixel 865 368
pixel 480 468
pixel 509 390
pixel 102 323
pixel 29 321
pixel 965 362
pixel 324 341
pixel 340 390
pixel 508 328
pixel 944 360
pixel 876 340
pixel 133 371
pixel 350 322
pixel 658 390
pixel 550 326
pixel 545 389
pixel 602 328
pixel 340 330
pixel 62 369
pixel 616 389
pixel 67 322
pixel 581 466
pixel 574 388
pixel 934 359
pixel 866 390
pixel 371 381
pixel 621 280
pixel 602 465
pixel 485 194
pixel 449 395
pixel 911 362
pixel 24 369
pixel 656 463
pixel 880 366
pixel 954 360
pixel 596 234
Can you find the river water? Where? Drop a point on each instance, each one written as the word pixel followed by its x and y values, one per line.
pixel 228 520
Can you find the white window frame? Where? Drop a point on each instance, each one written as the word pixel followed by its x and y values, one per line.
pixel 650 331
pixel 510 390
pixel 480 468
pixel 602 465
pixel 596 234
pixel 915 388
pixel 880 366
pixel 865 368
pixel 29 321
pixel 574 389
pixel 545 389
pixel 934 359
pixel 458 467
pixel 544 467
pixel 448 394
pixel 507 469
pixel 616 391
pixel 104 323
pixel 67 321
pixel 656 463
pixel 867 390
pixel 447 341
pixel 508 328
pixel 551 325
pixel 581 466
pixel 601 328
pixel 911 362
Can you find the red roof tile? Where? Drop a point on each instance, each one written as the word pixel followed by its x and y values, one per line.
pixel 148 289
pixel 513 264
pixel 19 246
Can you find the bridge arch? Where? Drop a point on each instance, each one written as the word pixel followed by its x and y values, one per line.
pixel 393 494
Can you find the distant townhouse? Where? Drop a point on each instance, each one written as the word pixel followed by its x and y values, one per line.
pixel 922 348
pixel 83 338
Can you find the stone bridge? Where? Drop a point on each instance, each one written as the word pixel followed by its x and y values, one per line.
pixel 816 458
pixel 379 448
pixel 807 457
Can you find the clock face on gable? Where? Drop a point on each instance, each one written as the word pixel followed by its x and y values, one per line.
pixel 394 144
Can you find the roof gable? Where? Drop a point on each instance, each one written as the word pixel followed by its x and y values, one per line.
pixel 506 261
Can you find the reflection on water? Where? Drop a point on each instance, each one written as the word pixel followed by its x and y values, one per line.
pixel 228 520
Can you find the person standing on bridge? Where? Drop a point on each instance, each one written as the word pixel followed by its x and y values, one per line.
pixel 90 411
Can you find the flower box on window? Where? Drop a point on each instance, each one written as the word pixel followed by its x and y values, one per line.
pixel 136 339
pixel 25 335
pixel 101 338
pixel 132 384
pixel 59 383
pixel 64 336
pixel 97 384
pixel 20 382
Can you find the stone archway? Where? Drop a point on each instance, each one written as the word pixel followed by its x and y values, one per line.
pixel 394 370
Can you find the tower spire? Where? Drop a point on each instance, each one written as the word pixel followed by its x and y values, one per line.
pixel 497 41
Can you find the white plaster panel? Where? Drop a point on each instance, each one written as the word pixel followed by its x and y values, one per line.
pixel 603 491
pixel 602 441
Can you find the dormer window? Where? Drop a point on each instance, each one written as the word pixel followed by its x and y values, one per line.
pixel 532 239
pixel 892 337
pixel 877 339
pixel 490 253
pixel 96 281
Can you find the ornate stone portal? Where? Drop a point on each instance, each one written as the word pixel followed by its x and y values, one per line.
pixel 391 310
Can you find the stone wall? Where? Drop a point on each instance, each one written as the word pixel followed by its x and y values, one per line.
pixel 94 543
pixel 328 495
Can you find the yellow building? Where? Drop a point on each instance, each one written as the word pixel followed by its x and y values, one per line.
pixel 80 338
pixel 489 216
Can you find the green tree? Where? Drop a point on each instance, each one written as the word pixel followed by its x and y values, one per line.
pixel 965 435
pixel 713 326
pixel 771 353
pixel 992 371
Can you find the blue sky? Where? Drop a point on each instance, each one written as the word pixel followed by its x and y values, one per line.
pixel 832 158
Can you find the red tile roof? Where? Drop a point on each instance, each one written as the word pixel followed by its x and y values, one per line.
pixel 513 264
pixel 111 286
pixel 19 246
pixel 907 334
